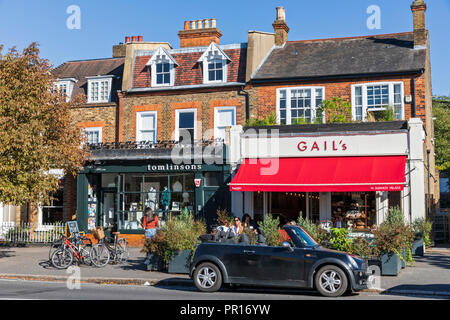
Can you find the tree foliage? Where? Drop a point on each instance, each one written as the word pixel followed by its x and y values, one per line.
pixel 441 111
pixel 36 130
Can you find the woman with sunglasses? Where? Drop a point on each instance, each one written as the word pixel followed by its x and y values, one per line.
pixel 237 227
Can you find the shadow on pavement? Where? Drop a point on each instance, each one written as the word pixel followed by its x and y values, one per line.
pixel 6 253
pixel 424 288
pixel 134 264
pixel 438 260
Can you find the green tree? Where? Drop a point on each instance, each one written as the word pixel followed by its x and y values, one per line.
pixel 36 130
pixel 441 111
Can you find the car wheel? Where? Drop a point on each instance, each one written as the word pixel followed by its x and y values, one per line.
pixel 207 277
pixel 331 281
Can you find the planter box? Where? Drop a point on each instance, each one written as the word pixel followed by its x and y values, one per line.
pixel 155 262
pixel 403 264
pixel 390 264
pixel 181 262
pixel 418 248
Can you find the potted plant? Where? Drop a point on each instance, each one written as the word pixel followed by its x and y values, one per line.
pixel 388 245
pixel 422 230
pixel 174 244
pixel 271 231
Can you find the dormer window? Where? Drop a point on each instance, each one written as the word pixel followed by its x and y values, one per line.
pixel 163 73
pixel 215 64
pixel 215 70
pixel 99 89
pixel 162 66
pixel 65 87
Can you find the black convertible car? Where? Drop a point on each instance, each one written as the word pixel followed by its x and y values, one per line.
pixel 299 263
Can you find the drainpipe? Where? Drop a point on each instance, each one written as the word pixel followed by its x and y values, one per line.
pixel 413 105
pixel 429 189
pixel 242 92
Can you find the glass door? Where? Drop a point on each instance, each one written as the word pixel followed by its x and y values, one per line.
pixel 107 217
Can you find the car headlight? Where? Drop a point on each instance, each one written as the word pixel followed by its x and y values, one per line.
pixel 353 262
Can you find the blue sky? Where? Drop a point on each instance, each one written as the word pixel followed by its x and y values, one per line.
pixel 104 23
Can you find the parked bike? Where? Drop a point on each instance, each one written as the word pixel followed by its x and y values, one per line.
pixel 103 252
pixel 76 247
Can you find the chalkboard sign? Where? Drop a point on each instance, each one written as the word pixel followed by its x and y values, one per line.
pixel 72 226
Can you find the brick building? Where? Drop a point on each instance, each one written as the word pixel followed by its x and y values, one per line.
pixel 293 78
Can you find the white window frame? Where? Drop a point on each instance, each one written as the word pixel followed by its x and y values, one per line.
pixel 69 83
pixel 138 124
pixel 99 80
pixel 214 52
pixel 216 117
pixel 288 102
pixel 177 122
pixel 95 129
pixel 161 55
pixel 364 86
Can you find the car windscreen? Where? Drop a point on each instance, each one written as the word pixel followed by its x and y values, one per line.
pixel 303 237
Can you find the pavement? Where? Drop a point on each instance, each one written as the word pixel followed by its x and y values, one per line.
pixel 429 276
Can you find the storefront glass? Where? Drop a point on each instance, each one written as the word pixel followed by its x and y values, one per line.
pixel 356 210
pixel 124 197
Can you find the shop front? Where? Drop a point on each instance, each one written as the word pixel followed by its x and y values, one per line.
pixel 117 186
pixel 344 175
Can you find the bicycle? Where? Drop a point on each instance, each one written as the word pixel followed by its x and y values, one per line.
pixel 77 238
pixel 102 252
pixel 63 257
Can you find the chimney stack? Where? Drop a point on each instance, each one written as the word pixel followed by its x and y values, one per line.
pixel 280 27
pixel 199 33
pixel 418 9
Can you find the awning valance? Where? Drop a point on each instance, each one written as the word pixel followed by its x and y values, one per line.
pixel 327 174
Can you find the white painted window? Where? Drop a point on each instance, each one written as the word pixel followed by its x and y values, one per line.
pixel 99 89
pixel 376 97
pixel 299 105
pixel 215 64
pixel 93 135
pixel 223 117
pixel 162 66
pixel 146 126
pixel 186 125
pixel 65 87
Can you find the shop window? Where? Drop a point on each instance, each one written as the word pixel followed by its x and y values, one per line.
pixel 167 195
pixel 356 210
pixel 287 205
pixel 213 179
pixel 394 198
pixel 258 206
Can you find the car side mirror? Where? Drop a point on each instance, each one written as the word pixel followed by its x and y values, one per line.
pixel 287 246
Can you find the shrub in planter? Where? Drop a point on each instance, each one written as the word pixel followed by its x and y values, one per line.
pixel 177 235
pixel 339 239
pixel 319 234
pixel 271 231
pixel 422 229
pixel 361 247
pixel 389 243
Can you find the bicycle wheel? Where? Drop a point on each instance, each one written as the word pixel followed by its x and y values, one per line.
pixel 85 252
pixel 99 255
pixel 122 251
pixel 62 258
pixel 53 247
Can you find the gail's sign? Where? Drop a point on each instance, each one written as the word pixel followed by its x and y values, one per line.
pixel 332 145
pixel 370 144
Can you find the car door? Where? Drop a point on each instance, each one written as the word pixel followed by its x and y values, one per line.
pixel 281 266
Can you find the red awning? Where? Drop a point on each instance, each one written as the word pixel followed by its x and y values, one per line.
pixel 334 174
